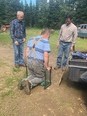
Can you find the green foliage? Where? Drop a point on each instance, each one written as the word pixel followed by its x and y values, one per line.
pixel 44 14
pixel 54 12
pixel 2 12
pixel 5 37
pixel 81 11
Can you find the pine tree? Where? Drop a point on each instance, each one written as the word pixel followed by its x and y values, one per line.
pixel 54 11
pixel 43 13
pixel 2 12
pixel 81 11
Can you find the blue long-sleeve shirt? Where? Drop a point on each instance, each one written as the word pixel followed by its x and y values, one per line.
pixel 17 30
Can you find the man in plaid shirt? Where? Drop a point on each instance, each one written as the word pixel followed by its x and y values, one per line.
pixel 18 35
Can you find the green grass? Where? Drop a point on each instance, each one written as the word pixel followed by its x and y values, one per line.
pixel 81 44
pixel 16 69
pixel 5 38
pixel 7 93
pixel 10 81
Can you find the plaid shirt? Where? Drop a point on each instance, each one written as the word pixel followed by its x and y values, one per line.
pixel 17 30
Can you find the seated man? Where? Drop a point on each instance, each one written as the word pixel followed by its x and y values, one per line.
pixel 37 56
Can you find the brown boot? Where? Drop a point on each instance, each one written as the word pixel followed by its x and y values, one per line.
pixel 27 87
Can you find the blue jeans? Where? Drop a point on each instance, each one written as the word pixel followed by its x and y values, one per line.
pixel 63 53
pixel 18 53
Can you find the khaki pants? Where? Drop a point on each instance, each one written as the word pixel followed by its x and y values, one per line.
pixel 37 71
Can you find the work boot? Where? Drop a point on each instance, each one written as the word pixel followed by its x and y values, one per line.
pixel 27 87
pixel 21 84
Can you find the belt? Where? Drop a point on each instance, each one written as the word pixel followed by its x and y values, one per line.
pixel 65 42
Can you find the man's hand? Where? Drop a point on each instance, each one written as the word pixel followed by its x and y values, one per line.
pixel 16 43
pixel 24 39
pixel 26 61
pixel 48 68
pixel 71 49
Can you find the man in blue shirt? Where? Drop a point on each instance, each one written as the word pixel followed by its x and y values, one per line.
pixel 37 54
pixel 18 35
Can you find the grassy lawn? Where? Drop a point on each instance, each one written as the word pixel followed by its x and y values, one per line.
pixel 10 97
pixel 81 44
pixel 5 40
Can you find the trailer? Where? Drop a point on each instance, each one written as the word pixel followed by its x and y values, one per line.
pixel 77 69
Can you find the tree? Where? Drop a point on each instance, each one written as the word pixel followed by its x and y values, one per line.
pixel 8 9
pixel 81 11
pixel 2 12
pixel 27 14
pixel 44 14
pixel 54 11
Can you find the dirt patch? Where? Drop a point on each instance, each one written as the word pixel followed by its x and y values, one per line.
pixel 65 100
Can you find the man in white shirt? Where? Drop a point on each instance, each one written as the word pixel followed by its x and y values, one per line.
pixel 66 41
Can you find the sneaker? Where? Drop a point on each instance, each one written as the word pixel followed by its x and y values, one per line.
pixel 27 87
pixel 57 67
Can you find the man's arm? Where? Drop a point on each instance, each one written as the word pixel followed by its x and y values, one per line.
pixel 12 30
pixel 46 60
pixel 26 52
pixel 24 32
pixel 75 34
pixel 60 33
pixel 74 39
